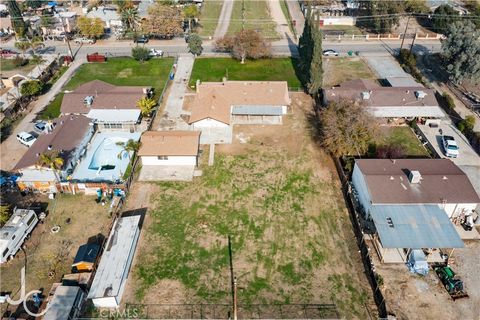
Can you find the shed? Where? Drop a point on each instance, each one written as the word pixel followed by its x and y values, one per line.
pixel 85 257
pixel 65 304
pixel 112 272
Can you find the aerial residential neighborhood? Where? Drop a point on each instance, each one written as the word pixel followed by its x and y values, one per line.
pixel 240 159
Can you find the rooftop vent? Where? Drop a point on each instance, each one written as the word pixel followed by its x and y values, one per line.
pixel 420 94
pixel 365 95
pixel 414 176
pixel 88 101
pixel 390 222
pixel 50 147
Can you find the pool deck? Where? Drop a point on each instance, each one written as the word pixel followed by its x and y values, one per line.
pixel 103 150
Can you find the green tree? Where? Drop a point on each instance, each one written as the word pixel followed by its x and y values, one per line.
pixel 34 4
pixel 4 214
pixel 195 44
pixel 51 160
pixel 90 27
pixel 31 88
pixel 146 106
pixel 346 128
pixel 23 46
pixel 305 49
pixel 316 70
pixel 416 6
pixel 36 43
pixel 130 147
pixel 18 23
pixel 190 12
pixel 443 17
pixel 467 124
pixel 380 15
pixel 140 53
pixel 461 51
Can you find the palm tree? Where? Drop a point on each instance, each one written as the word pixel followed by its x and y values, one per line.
pixel 23 46
pixel 131 146
pixel 36 43
pixel 146 105
pixel 131 18
pixel 51 160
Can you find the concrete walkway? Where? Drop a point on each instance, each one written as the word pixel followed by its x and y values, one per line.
pixel 224 19
pixel 11 150
pixel 277 15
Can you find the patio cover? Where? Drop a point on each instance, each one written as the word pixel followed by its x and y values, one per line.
pixel 414 227
pixel 114 116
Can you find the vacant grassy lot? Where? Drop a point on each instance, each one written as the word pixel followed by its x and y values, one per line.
pixel 214 69
pixel 278 198
pixel 117 71
pixel 209 17
pixel 338 70
pixel 7 65
pixel 47 252
pixel 404 138
pixel 257 17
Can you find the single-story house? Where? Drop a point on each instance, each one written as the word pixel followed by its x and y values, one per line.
pixel 412 202
pixel 387 102
pixel 65 304
pixel 112 272
pixel 85 257
pixel 169 155
pixel 108 14
pixel 110 106
pixel 69 136
pixel 217 106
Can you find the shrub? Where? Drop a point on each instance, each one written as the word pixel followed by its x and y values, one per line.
pixel 140 53
pixel 407 58
pixel 466 124
pixel 19 61
pixel 448 100
pixel 31 88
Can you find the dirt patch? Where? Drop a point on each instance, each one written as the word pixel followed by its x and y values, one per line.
pixel 337 70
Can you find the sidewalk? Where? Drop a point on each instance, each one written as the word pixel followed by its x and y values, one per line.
pixel 10 149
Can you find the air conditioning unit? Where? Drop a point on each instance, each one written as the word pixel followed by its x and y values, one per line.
pixel 420 94
pixel 414 176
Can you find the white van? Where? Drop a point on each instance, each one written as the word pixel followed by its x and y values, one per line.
pixel 14 232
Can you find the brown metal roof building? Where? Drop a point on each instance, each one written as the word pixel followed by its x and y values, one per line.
pixel 387 102
pixel 169 143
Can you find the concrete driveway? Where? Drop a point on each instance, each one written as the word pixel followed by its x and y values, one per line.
pixel 166 173
pixel 385 66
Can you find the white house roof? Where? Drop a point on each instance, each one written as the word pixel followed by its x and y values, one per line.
pixel 122 115
pixel 115 260
pixel 62 303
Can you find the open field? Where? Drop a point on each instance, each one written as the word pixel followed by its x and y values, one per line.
pixel 338 70
pixel 276 194
pixel 117 71
pixel 405 139
pixel 209 15
pixel 214 69
pixel 47 252
pixel 257 17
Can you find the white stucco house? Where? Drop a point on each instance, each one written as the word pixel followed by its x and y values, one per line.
pixel 169 155
pixel 413 203
pixel 217 106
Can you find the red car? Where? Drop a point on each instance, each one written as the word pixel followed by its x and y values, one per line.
pixel 6 53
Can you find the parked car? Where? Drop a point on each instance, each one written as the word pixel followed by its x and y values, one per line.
pixel 155 53
pixel 141 39
pixel 26 138
pixel 40 126
pixel 330 52
pixel 6 53
pixel 84 40
pixel 450 146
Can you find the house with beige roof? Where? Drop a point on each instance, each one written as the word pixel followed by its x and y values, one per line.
pixel 217 106
pixel 110 107
pixel 169 155
pixel 413 204
pixel 411 101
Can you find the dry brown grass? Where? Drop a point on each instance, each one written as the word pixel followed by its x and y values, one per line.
pixel 337 70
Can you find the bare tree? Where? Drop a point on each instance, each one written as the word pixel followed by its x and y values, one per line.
pixel 246 44
pixel 347 128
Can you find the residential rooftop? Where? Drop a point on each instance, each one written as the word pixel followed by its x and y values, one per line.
pixel 441 181
pixel 169 143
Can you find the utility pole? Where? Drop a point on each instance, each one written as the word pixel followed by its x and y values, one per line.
pixel 405 32
pixel 243 15
pixel 68 40
pixel 234 298
pixel 413 41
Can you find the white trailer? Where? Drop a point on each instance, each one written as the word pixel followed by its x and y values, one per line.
pixel 14 232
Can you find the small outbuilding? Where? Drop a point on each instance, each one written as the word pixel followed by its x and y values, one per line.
pixel 66 303
pixel 85 257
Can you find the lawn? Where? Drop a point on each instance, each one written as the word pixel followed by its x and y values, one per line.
pixel 279 200
pixel 405 139
pixel 349 30
pixel 117 71
pixel 257 17
pixel 338 70
pixel 209 15
pixel 214 69
pixel 55 252
pixel 7 65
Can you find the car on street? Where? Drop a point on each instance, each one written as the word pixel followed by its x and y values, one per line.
pixel 155 53
pixel 84 40
pixel 141 39
pixel 26 138
pixel 6 53
pixel 330 53
pixel 450 146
